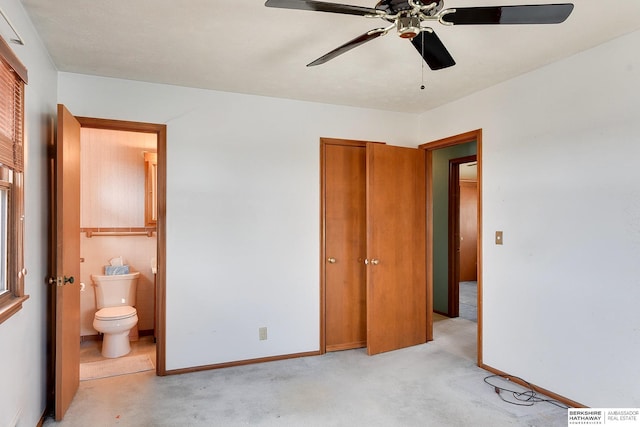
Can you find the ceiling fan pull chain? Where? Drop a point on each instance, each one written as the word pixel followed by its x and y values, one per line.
pixel 421 60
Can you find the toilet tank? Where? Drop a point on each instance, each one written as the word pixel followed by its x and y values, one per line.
pixel 115 290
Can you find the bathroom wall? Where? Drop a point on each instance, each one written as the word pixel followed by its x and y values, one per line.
pixel 112 196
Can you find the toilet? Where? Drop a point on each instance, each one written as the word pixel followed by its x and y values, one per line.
pixel 116 315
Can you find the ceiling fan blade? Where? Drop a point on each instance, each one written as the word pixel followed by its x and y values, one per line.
pixel 348 46
pixel 321 6
pixel 525 14
pixel 433 51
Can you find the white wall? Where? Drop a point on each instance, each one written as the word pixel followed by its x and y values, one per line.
pixel 561 178
pixel 23 336
pixel 242 209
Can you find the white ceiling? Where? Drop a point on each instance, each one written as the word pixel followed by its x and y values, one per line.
pixel 243 46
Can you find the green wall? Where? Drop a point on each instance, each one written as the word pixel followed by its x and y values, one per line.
pixel 440 174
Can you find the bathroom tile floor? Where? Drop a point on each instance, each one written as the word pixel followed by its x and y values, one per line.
pixel 90 349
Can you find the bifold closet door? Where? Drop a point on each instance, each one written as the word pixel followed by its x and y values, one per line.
pixel 396 248
pixel 345 246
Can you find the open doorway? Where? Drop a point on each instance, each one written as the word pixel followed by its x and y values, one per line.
pixel 463 238
pixel 122 187
pixel 65 257
pixel 439 247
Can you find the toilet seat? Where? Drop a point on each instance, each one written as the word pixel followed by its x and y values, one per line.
pixel 115 313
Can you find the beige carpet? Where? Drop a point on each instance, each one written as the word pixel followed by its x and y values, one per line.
pixel 430 385
pixel 114 367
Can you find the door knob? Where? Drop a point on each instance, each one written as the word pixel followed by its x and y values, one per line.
pixel 331 260
pixel 375 261
pixel 60 281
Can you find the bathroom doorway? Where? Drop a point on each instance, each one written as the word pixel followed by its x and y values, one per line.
pixel 122 176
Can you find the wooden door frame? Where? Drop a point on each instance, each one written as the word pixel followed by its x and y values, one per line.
pixel 160 302
pixel 453 295
pixel 429 147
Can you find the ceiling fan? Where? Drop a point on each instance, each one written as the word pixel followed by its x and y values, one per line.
pixel 411 19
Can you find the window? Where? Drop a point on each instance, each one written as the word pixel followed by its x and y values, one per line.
pixel 13 76
pixel 4 223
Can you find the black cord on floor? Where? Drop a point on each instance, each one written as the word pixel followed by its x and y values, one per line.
pixel 524 398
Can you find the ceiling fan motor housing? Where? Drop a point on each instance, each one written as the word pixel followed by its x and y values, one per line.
pixel 405 15
pixel 408 27
pixel 395 6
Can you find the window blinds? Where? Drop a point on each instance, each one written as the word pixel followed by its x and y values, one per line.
pixel 11 109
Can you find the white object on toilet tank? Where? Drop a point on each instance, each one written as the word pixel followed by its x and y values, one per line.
pixel 116 262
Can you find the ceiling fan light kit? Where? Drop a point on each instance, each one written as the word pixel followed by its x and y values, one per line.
pixel 408 26
pixel 409 17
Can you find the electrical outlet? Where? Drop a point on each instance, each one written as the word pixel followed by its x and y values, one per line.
pixel 262 333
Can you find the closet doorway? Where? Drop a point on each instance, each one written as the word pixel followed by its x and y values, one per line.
pixel 373 242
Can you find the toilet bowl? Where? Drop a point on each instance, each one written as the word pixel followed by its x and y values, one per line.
pixel 116 316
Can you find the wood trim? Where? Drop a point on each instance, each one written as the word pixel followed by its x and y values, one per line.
pixel 548 393
pixel 10 57
pixel 479 244
pixel 352 142
pixel 429 240
pixel 122 125
pixel 161 230
pixel 450 141
pixel 453 238
pixel 160 305
pixel 11 307
pixel 90 231
pixel 150 186
pixel 323 245
pixel 474 135
pixel 241 363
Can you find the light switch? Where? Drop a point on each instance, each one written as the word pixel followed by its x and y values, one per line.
pixel 498 237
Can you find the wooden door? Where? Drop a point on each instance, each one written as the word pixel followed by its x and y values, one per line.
pixel 396 245
pixel 67 261
pixel 345 245
pixel 468 231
